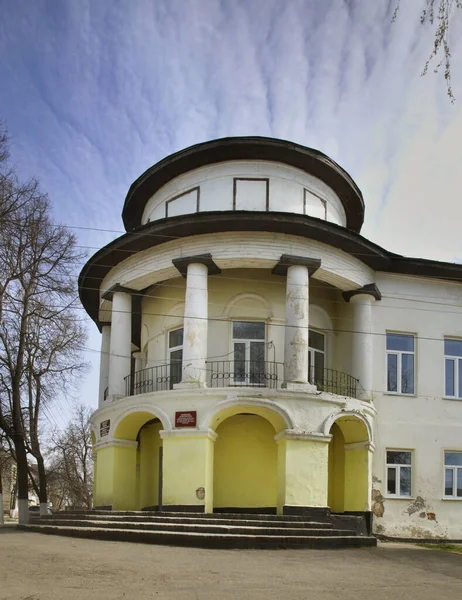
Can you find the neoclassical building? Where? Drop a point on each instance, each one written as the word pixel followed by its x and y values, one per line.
pixel 259 354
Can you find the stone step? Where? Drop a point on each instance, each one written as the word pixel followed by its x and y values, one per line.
pixel 236 528
pixel 179 519
pixel 215 515
pixel 205 540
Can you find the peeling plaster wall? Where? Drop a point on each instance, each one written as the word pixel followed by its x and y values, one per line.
pixel 425 423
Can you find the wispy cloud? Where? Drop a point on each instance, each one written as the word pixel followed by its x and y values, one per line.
pixel 96 92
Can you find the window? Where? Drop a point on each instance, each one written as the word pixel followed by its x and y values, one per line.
pixel 249 352
pixel 453 368
pixel 400 363
pixel 313 205
pixel 399 464
pixel 187 202
pixel 453 475
pixel 251 194
pixel 175 355
pixel 316 356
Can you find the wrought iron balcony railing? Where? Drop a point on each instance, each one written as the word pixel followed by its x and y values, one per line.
pixel 153 379
pixel 244 373
pixel 238 373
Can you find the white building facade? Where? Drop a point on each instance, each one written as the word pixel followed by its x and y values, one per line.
pixel 259 354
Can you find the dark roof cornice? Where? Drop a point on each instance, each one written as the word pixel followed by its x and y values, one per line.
pixel 164 230
pixel 245 148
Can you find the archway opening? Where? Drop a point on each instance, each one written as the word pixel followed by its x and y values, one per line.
pixel 149 466
pixel 245 465
pixel 349 466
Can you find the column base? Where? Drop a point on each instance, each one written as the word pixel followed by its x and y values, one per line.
pixel 316 513
pixel 292 386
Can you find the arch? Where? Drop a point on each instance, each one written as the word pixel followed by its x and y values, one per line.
pixel 354 431
pixel 319 318
pixel 272 412
pixel 248 310
pixel 129 422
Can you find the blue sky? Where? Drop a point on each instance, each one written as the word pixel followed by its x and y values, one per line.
pixel 95 91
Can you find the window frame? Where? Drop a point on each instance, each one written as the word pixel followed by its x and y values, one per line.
pixel 457 380
pixel 185 193
pixel 267 197
pixel 174 349
pixel 399 354
pixel 312 354
pixel 323 202
pixel 453 468
pixel 397 468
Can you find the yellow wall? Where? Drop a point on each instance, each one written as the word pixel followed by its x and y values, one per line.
pixel 124 478
pixel 303 466
pixel 336 470
pixel 188 471
pixel 150 444
pixel 357 479
pixel 104 477
pixel 245 463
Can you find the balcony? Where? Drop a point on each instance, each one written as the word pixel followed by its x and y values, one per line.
pixel 227 373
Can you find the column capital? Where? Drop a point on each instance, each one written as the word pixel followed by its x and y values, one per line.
pixel 289 260
pixel 202 259
pixel 109 294
pixel 370 289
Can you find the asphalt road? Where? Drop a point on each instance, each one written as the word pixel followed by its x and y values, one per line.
pixel 41 567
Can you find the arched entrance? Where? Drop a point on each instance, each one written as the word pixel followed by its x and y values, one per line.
pixel 149 466
pixel 245 464
pixel 349 466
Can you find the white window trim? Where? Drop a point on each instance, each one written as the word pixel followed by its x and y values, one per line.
pixel 399 365
pixel 453 468
pixel 457 383
pixel 311 351
pixel 399 496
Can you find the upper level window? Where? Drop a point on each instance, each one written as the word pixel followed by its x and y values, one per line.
pixel 453 368
pixel 453 474
pixel 250 194
pixel 175 355
pixel 399 465
pixel 316 356
pixel 400 363
pixel 184 203
pixel 313 205
pixel 249 352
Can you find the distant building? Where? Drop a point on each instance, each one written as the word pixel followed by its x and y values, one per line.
pixel 258 354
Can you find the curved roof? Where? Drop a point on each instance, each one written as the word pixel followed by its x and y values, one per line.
pixel 158 232
pixel 245 148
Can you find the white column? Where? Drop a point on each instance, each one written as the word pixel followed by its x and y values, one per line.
pixel 195 325
pixel 362 363
pixel 104 362
pixel 121 340
pixel 296 329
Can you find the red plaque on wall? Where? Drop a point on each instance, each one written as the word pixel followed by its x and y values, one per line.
pixel 186 418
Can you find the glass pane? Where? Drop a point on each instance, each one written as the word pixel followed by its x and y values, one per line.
pixel 392 372
pixel 400 341
pixel 453 347
pixel 459 483
pixel 175 338
pixel 239 362
pixel 405 481
pixel 391 480
pixel 176 359
pixel 407 374
pixel 316 340
pixel 453 458
pixel 248 330
pixel 395 457
pixel 449 371
pixel 448 482
pixel 257 364
pixel 319 367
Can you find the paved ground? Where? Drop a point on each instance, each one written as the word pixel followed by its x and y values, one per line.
pixel 40 567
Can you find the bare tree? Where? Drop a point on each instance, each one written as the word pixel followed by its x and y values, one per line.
pixel 40 335
pixel 70 464
pixel 438 14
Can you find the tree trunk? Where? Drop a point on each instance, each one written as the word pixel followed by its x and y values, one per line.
pixel 2 512
pixel 43 498
pixel 22 481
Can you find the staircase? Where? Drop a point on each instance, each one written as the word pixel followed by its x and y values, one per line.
pixel 199 530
